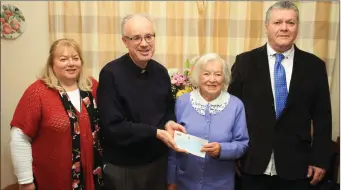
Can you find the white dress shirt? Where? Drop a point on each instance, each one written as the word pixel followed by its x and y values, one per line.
pixel 287 63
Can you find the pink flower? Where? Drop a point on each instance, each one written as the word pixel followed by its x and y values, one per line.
pixel 70 113
pixel 76 128
pixel 98 171
pixel 100 150
pixel 94 137
pixel 75 184
pixel 95 105
pixel 86 101
pixel 76 167
pixel 7 29
pixel 178 79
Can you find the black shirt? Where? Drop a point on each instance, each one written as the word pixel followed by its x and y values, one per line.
pixel 133 103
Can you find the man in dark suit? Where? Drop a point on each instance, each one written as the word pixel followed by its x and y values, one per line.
pixel 284 90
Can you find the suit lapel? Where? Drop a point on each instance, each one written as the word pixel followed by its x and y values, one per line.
pixel 264 72
pixel 296 75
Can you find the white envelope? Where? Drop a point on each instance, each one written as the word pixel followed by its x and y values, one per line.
pixel 190 143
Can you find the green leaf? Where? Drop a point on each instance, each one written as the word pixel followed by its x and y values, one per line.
pixel 18 12
pixel 10 18
pixel 2 15
pixel 22 17
pixel 6 17
pixel 17 17
pixel 187 64
pixel 10 8
pixel 4 7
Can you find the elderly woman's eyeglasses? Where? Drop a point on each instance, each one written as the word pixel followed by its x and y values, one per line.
pixel 138 39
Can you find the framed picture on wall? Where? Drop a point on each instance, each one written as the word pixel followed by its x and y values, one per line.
pixel 12 22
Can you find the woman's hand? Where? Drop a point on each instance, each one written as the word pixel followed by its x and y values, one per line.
pixel 213 149
pixel 29 186
pixel 171 187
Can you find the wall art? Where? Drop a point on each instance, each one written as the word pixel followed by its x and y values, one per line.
pixel 12 22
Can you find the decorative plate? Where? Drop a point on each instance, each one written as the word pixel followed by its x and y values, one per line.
pixel 12 22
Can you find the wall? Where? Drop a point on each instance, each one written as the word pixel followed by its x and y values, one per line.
pixel 21 61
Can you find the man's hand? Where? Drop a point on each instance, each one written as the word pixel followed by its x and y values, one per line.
pixel 171 126
pixel 166 138
pixel 29 186
pixel 317 174
pixel 171 187
pixel 213 149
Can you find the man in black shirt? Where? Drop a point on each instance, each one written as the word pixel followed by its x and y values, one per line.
pixel 136 112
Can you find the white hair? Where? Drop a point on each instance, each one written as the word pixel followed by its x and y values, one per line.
pixel 199 62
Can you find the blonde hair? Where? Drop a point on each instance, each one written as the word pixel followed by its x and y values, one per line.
pixel 199 62
pixel 48 76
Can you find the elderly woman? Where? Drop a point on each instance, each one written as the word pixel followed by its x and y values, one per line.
pixel 54 142
pixel 209 112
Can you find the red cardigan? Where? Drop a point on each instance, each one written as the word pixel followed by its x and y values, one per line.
pixel 41 116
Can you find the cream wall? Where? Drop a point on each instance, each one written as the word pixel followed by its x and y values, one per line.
pixel 21 61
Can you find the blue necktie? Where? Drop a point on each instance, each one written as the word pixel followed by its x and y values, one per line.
pixel 281 91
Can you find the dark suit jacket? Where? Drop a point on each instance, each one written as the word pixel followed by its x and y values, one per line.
pixel 290 136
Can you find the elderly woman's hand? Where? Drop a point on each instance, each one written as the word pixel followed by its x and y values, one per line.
pixel 213 149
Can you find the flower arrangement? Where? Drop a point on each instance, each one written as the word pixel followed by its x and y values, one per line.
pixel 180 82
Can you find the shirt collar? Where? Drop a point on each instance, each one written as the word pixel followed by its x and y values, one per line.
pixel 287 54
pixel 136 69
pixel 221 99
pixel 217 105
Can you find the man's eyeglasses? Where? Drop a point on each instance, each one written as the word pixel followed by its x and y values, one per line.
pixel 138 39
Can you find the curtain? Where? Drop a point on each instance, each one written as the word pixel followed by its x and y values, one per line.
pixel 185 29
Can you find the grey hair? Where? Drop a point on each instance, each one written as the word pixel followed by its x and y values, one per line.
pixel 130 16
pixel 282 5
pixel 204 59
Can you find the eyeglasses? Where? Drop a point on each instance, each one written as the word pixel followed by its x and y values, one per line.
pixel 138 39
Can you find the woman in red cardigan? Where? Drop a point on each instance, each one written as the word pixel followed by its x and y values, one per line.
pixel 54 129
